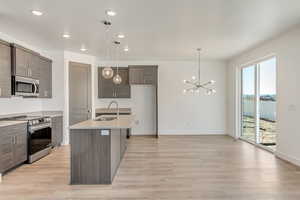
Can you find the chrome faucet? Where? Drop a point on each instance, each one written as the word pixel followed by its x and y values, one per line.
pixel 117 106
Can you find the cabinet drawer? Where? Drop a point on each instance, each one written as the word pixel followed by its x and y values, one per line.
pixel 14 129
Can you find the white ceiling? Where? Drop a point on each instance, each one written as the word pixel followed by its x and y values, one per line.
pixel 154 29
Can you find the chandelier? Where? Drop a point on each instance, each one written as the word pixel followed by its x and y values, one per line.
pixel 196 85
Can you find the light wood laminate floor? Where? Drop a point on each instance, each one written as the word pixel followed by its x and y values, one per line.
pixel 173 167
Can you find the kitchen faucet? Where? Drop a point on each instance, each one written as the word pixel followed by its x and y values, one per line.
pixel 117 106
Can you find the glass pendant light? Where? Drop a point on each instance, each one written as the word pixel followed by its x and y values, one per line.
pixel 107 72
pixel 117 78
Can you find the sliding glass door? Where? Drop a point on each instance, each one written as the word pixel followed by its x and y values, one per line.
pixel 248 103
pixel 258 106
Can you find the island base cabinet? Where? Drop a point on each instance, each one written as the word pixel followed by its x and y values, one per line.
pixel 95 155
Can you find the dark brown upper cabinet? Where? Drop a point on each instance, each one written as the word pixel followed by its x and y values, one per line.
pixel 25 62
pixel 45 71
pixel 29 64
pixel 107 88
pixel 142 75
pixel 5 69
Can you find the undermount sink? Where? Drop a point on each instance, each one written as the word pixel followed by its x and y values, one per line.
pixel 105 118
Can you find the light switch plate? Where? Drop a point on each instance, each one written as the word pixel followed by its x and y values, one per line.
pixel 104 132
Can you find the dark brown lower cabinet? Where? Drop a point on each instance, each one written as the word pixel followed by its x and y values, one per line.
pixel 96 155
pixel 13 146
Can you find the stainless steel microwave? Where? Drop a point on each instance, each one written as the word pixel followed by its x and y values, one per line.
pixel 23 86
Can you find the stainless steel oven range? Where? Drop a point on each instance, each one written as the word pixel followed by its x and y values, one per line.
pixel 39 136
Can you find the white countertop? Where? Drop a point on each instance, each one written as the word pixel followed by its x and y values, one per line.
pixel 11 123
pixel 124 121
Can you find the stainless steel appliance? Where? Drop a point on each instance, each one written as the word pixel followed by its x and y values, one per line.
pixel 27 87
pixel 39 136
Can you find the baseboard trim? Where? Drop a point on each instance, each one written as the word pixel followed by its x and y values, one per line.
pixel 140 134
pixel 287 158
pixel 192 133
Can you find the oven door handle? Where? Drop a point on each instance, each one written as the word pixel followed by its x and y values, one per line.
pixel 39 127
pixel 35 89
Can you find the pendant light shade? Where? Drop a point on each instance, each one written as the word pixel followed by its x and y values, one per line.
pixel 107 72
pixel 117 79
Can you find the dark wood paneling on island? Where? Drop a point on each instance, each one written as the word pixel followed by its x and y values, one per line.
pixel 95 155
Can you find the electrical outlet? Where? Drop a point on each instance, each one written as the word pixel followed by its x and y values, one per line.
pixel 104 132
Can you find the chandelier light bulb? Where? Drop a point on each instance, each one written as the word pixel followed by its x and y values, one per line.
pixel 184 91
pixel 184 81
pixel 107 73
pixel 213 91
pixel 208 92
pixel 110 13
pixel 117 79
pixel 193 77
pixel 212 81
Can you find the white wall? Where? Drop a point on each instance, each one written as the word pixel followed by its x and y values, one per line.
pixel 286 48
pixel 178 113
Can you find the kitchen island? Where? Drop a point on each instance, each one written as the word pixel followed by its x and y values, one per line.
pixel 97 149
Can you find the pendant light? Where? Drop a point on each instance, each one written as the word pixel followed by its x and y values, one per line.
pixel 107 72
pixel 196 84
pixel 117 78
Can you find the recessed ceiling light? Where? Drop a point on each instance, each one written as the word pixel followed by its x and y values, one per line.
pixel 83 49
pixel 36 12
pixel 66 36
pixel 110 13
pixel 126 49
pixel 121 36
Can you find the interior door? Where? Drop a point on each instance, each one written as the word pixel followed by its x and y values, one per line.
pixel 79 92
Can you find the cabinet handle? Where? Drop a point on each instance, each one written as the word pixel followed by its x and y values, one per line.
pixel 16 139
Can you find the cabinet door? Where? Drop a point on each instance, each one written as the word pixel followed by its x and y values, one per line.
pixel 6 151
pixel 34 66
pixel 21 62
pixel 123 90
pixel 143 75
pixel 136 75
pixel 45 89
pixel 106 87
pixel 148 75
pixel 20 146
pixel 57 131
pixel 5 70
